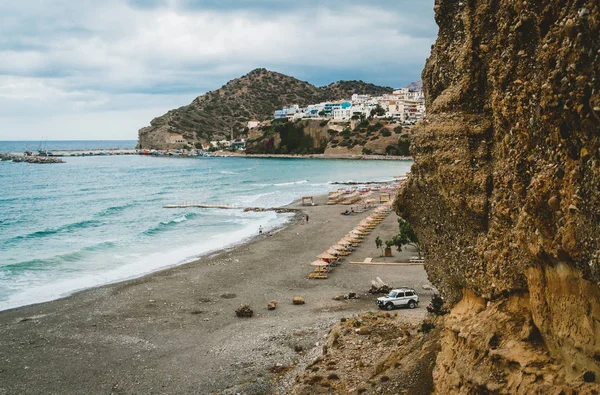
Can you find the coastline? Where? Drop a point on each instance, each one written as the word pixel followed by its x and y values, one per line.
pixel 157 333
pixel 218 154
pixel 235 154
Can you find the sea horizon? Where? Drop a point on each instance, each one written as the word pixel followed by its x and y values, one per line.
pixel 64 145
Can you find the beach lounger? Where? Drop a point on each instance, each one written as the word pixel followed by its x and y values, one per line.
pixel 317 276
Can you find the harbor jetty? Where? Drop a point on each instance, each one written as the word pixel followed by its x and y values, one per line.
pixel 37 159
pixel 98 152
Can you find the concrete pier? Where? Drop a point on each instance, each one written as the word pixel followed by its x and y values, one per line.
pixel 66 153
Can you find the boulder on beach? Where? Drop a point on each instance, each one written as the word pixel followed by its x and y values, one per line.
pixel 379 287
pixel 298 300
pixel 244 311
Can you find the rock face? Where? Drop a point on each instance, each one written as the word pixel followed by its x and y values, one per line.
pixel 504 194
pixel 256 95
pixel 331 137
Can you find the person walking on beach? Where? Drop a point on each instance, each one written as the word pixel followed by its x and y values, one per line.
pixel 306 218
pixel 260 230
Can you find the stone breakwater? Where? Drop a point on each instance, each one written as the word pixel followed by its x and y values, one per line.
pixel 30 159
pixel 504 194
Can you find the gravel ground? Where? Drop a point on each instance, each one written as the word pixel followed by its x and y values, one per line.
pixel 176 332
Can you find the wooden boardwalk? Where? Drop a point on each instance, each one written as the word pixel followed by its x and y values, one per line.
pixel 201 205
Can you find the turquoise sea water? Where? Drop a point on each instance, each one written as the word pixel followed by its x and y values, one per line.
pixel 96 220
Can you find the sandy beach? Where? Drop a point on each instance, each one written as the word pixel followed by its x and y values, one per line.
pixel 176 332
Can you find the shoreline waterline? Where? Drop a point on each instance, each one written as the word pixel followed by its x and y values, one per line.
pixel 282 224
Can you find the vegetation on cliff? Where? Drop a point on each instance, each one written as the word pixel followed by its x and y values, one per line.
pixel 216 114
pixel 283 137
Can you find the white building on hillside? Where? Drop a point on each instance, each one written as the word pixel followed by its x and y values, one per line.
pixel 253 123
pixel 342 113
pixel 357 99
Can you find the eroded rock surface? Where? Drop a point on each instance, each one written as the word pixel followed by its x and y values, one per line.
pixel 504 194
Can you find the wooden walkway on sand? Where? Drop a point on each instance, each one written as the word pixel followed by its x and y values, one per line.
pixel 369 261
pixel 200 205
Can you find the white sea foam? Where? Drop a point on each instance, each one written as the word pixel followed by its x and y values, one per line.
pixel 139 265
pixel 283 184
pixel 291 183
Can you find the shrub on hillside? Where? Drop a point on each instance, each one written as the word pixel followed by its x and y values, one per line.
pixel 375 127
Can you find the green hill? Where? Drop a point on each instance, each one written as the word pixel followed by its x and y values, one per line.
pixel 256 95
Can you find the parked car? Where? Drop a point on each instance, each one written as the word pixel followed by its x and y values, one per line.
pixel 399 298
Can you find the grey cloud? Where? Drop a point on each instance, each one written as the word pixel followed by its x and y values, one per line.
pixel 89 55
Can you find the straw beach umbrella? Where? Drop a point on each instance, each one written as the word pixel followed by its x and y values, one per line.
pixel 319 263
pixel 341 250
pixel 362 229
pixel 328 258
pixel 326 255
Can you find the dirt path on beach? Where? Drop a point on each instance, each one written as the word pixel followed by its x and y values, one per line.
pixel 176 332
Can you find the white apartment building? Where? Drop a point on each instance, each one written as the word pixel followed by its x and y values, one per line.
pixel 357 99
pixel 341 113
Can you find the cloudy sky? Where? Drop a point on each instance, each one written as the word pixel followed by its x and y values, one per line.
pixel 90 69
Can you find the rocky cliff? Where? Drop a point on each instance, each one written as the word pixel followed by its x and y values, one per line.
pixel 256 95
pixel 504 194
pixel 331 137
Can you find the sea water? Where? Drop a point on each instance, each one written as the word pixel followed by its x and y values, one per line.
pixel 97 220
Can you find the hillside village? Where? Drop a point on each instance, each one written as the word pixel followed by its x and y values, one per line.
pixel 402 106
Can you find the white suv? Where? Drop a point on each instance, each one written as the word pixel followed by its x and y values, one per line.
pixel 399 297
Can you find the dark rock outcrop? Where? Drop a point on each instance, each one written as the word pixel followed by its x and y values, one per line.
pixel 504 194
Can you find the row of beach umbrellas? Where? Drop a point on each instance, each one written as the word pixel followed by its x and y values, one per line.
pixel 344 247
